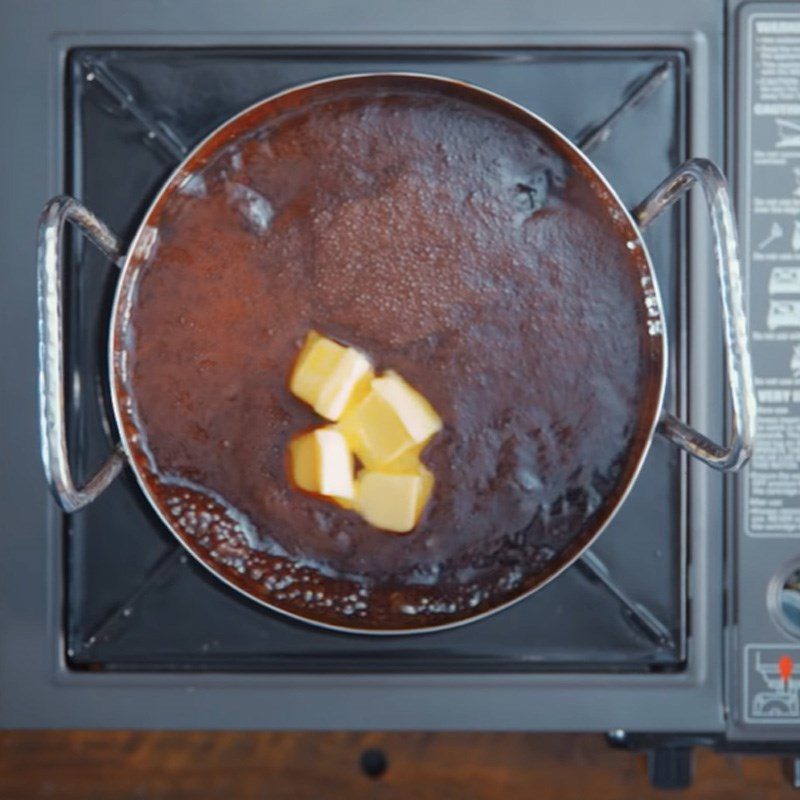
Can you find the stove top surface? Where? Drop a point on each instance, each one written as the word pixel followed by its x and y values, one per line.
pixel 134 600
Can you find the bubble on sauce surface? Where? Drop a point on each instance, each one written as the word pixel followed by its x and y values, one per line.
pixel 193 185
pixel 255 209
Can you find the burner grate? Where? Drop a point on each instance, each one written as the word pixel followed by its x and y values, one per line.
pixel 127 578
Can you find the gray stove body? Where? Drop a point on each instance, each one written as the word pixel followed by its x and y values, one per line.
pixel 702 691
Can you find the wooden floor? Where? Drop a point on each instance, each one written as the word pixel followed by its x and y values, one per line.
pixel 270 766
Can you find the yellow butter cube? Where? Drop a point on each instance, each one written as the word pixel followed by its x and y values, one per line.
pixel 374 432
pixel 321 462
pixel 303 462
pixel 391 420
pixel 337 392
pixel 316 361
pixel 389 501
pixel 414 411
pixel 409 464
pixel 327 374
pixel 334 464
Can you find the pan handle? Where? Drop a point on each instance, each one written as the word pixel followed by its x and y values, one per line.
pixel 52 418
pixel 733 455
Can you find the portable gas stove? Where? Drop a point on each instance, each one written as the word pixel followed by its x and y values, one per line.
pixel 681 626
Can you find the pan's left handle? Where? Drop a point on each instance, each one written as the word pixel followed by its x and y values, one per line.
pixel 735 453
pixel 52 415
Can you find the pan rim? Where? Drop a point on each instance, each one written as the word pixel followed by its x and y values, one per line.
pixel 180 173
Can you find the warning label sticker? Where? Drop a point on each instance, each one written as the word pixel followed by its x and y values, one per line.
pixel 771 254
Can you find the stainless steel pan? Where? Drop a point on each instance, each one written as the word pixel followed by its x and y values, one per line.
pixel 381 612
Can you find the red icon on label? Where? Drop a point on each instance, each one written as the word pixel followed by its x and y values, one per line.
pixel 785 667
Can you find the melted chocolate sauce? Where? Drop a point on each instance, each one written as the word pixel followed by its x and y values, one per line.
pixel 447 241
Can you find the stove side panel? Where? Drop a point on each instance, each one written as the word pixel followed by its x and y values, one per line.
pixel 764 614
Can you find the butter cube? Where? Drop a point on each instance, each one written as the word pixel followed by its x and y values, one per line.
pixel 316 361
pixel 374 432
pixel 303 462
pixel 392 419
pixel 409 464
pixel 389 501
pixel 336 393
pixel 322 463
pixel 327 374
pixel 334 464
pixel 414 411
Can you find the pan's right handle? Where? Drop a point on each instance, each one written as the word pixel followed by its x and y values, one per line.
pixel 733 455
pixel 52 415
